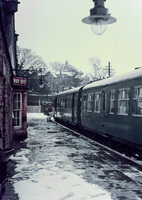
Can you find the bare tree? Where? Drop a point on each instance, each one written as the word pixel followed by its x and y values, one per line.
pixel 57 66
pixel 33 67
pixel 99 71
pixel 29 60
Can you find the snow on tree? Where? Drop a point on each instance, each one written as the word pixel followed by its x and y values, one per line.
pixel 99 71
pixel 67 75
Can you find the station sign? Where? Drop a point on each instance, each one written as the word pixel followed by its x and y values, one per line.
pixel 19 81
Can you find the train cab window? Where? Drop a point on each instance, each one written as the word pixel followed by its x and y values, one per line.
pixel 59 103
pixel 123 101
pixel 112 102
pixel 69 102
pixel 97 102
pixel 84 102
pixel 75 101
pixel 62 103
pixel 90 102
pixel 137 101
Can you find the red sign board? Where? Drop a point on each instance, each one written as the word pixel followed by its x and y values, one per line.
pixel 20 81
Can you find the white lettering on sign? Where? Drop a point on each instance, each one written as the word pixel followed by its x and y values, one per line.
pixel 16 80
pixel 23 82
pixel 20 81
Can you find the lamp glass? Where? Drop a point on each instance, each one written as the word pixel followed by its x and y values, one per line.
pixel 99 26
pixel 41 83
pixel 41 86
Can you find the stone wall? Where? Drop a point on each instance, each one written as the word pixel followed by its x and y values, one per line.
pixel 7 66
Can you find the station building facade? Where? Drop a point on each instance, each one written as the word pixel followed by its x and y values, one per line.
pixel 12 96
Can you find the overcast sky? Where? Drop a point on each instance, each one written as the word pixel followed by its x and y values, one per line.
pixel 53 29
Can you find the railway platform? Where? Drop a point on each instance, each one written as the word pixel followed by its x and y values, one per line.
pixel 57 163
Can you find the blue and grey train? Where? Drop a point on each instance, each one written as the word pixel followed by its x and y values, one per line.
pixel 109 110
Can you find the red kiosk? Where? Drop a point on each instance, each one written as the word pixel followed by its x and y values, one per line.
pixel 20 106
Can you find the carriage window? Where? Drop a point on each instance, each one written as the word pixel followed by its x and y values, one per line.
pixel 112 101
pixel 90 102
pixel 84 102
pixel 66 101
pixel 123 101
pixel 75 100
pixel 69 102
pixel 62 103
pixel 97 102
pixel 137 101
pixel 59 103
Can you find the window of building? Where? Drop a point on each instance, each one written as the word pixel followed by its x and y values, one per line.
pixel 137 101
pixel 97 102
pixel 90 102
pixel 112 102
pixel 123 101
pixel 84 102
pixel 17 110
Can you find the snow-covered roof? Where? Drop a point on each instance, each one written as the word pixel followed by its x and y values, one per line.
pixel 69 91
pixel 67 73
pixel 104 82
pixel 115 79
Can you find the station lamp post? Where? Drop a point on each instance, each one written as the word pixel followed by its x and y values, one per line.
pixel 99 17
pixel 41 81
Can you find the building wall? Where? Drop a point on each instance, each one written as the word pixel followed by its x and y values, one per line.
pixel 5 96
pixel 7 65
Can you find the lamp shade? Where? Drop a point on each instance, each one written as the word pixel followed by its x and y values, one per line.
pixel 99 18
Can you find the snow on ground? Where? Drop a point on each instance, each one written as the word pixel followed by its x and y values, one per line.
pixel 45 180
pixel 36 115
pixel 46 185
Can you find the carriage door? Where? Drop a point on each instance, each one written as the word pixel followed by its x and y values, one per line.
pixel 105 104
pixel 74 108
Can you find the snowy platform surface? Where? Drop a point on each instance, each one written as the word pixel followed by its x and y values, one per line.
pixel 57 164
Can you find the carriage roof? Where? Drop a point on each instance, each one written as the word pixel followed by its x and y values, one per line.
pixel 104 82
pixel 73 90
pixel 116 79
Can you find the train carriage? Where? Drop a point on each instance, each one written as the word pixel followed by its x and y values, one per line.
pixel 114 107
pixel 67 106
pixel 110 107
